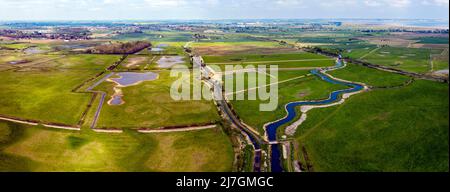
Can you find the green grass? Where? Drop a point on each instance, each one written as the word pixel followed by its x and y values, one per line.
pixel 150 105
pixel 40 91
pixel 433 40
pixel 19 46
pixel 358 52
pixel 261 57
pixel 371 77
pixel 18 56
pixel 246 80
pixel 76 142
pixel 308 88
pixel 248 157
pixel 440 65
pixel 156 36
pixel 172 48
pixel 232 44
pixel 135 62
pixel 26 148
pixel 283 65
pixel 402 129
pixel 409 59
pixel 242 48
pixel 440 61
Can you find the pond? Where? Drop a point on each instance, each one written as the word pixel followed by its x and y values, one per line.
pixel 116 100
pixel 33 50
pixel 18 62
pixel 159 48
pixel 156 49
pixel 131 78
pixel 162 45
pixel 169 61
pixel 126 79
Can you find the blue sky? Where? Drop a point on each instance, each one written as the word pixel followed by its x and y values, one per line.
pixel 219 9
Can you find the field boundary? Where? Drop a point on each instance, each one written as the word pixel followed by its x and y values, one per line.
pixel 279 82
pixel 184 129
pixel 279 61
pixel 37 122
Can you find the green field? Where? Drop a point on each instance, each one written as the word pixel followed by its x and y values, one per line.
pixel 409 59
pixel 149 105
pixel 397 129
pixel 371 77
pixel 262 58
pixel 25 148
pixel 433 40
pixel 42 90
pixel 402 129
pixel 308 88
pixel 240 48
pixel 244 80
pixel 440 61
pixel 19 46
pixel 399 124
pixel 156 36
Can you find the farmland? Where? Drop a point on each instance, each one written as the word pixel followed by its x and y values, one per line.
pixel 415 60
pixel 99 97
pixel 25 148
pixel 39 90
pixel 389 124
pixel 308 88
pixel 165 112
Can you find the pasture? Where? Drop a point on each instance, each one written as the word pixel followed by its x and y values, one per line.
pixel 302 89
pixel 149 105
pixel 408 59
pixel 402 129
pixel 41 89
pixel 25 148
pixel 234 48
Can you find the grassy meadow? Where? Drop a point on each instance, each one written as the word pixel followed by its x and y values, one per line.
pixel 307 88
pixel 408 59
pixel 41 90
pixel 149 105
pixel 397 129
pixel 369 76
pixel 404 129
pixel 25 148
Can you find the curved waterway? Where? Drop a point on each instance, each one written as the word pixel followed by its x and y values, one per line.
pixel 271 129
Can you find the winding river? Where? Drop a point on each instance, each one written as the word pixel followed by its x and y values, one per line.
pixel 271 129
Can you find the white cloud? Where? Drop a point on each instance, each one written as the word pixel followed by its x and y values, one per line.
pixel 170 3
pixel 400 3
pixel 372 3
pixel 339 3
pixel 289 2
pixel 387 3
pixel 436 2
pixel 56 9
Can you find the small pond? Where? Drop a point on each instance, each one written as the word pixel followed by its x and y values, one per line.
pixel 33 50
pixel 169 61
pixel 131 78
pixel 116 100
pixel 156 49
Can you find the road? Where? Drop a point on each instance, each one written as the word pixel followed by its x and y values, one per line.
pixel 219 96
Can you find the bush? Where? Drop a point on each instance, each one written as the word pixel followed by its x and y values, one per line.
pixel 120 48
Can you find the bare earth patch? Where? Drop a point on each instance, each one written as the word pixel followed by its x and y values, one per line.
pixel 135 61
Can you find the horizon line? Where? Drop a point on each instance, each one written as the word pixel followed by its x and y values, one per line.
pixel 225 19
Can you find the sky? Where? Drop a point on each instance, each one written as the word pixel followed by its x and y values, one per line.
pixel 220 9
